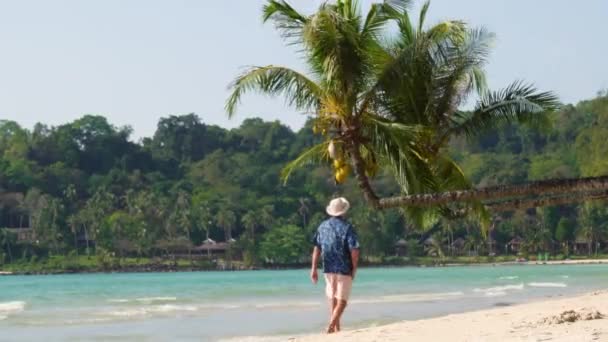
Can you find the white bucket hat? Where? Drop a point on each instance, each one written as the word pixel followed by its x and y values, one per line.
pixel 337 207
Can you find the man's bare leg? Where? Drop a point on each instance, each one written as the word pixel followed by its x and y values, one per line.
pixel 334 323
pixel 332 306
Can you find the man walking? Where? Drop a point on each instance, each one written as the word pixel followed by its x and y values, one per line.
pixel 336 241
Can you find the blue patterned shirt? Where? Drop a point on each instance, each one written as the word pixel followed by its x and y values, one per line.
pixel 336 238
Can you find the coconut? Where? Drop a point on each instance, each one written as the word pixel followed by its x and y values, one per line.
pixel 332 149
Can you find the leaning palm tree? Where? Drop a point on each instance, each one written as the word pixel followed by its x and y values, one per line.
pixel 388 101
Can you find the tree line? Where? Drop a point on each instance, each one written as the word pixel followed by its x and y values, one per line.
pixel 86 186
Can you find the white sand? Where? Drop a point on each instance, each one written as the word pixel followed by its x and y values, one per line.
pixel 579 318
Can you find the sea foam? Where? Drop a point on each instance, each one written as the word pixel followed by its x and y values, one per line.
pixel 405 298
pixel 145 300
pixel 548 285
pixel 8 308
pixel 498 291
pixel 153 310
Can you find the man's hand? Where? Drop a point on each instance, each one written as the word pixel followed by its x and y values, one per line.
pixel 352 274
pixel 314 277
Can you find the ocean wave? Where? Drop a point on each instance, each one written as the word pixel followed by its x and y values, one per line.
pixel 220 306
pixel 9 308
pixel 287 305
pixel 87 321
pixel 119 300
pixel 145 300
pixel 404 298
pixel 497 291
pixel 152 310
pixel 509 277
pixel 156 299
pixel 547 285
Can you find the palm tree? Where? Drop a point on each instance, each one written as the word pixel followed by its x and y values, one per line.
pixel 303 210
pixel 96 209
pixel 204 217
pixel 33 205
pixel 182 207
pixel 250 222
pixel 266 216
pixel 226 219
pixel 393 102
pixel 472 243
pixel 594 226
pixel 434 246
pixel 7 239
pixel 74 223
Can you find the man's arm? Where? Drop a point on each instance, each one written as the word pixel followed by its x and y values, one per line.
pixel 316 253
pixel 354 256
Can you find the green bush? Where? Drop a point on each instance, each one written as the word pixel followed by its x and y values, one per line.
pixel 105 259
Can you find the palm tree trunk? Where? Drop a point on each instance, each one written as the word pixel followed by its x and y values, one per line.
pixel 362 179
pixel 547 201
pixel 86 238
pixel 8 249
pixel 553 186
pixel 207 239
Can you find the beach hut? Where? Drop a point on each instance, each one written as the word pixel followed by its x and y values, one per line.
pixel 22 234
pixel 457 246
pixel 401 247
pixel 515 244
pixel 213 248
pixel 583 245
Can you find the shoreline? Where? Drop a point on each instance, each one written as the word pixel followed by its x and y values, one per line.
pixel 171 269
pixel 576 318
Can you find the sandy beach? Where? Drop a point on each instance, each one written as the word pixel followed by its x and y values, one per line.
pixel 581 318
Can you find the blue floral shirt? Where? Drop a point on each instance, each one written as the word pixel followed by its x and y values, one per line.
pixel 336 238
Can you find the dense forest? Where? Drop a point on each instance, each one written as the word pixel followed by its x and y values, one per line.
pixel 87 188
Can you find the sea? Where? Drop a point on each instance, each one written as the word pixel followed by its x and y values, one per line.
pixel 214 306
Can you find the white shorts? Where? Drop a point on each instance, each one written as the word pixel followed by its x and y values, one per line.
pixel 338 286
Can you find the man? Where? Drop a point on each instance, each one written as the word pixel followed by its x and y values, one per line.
pixel 336 241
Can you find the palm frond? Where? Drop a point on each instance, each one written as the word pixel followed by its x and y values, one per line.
pixel 422 219
pixel 399 6
pixel 518 103
pixel 423 12
pixel 287 20
pixel 315 154
pixel 298 90
pixel 396 145
pixel 398 11
pixel 374 21
pixel 451 31
pixel 449 174
pixel 460 70
pixel 336 50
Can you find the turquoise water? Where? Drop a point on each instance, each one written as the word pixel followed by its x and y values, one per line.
pixel 215 305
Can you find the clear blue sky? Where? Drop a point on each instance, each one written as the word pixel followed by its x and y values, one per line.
pixel 135 61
